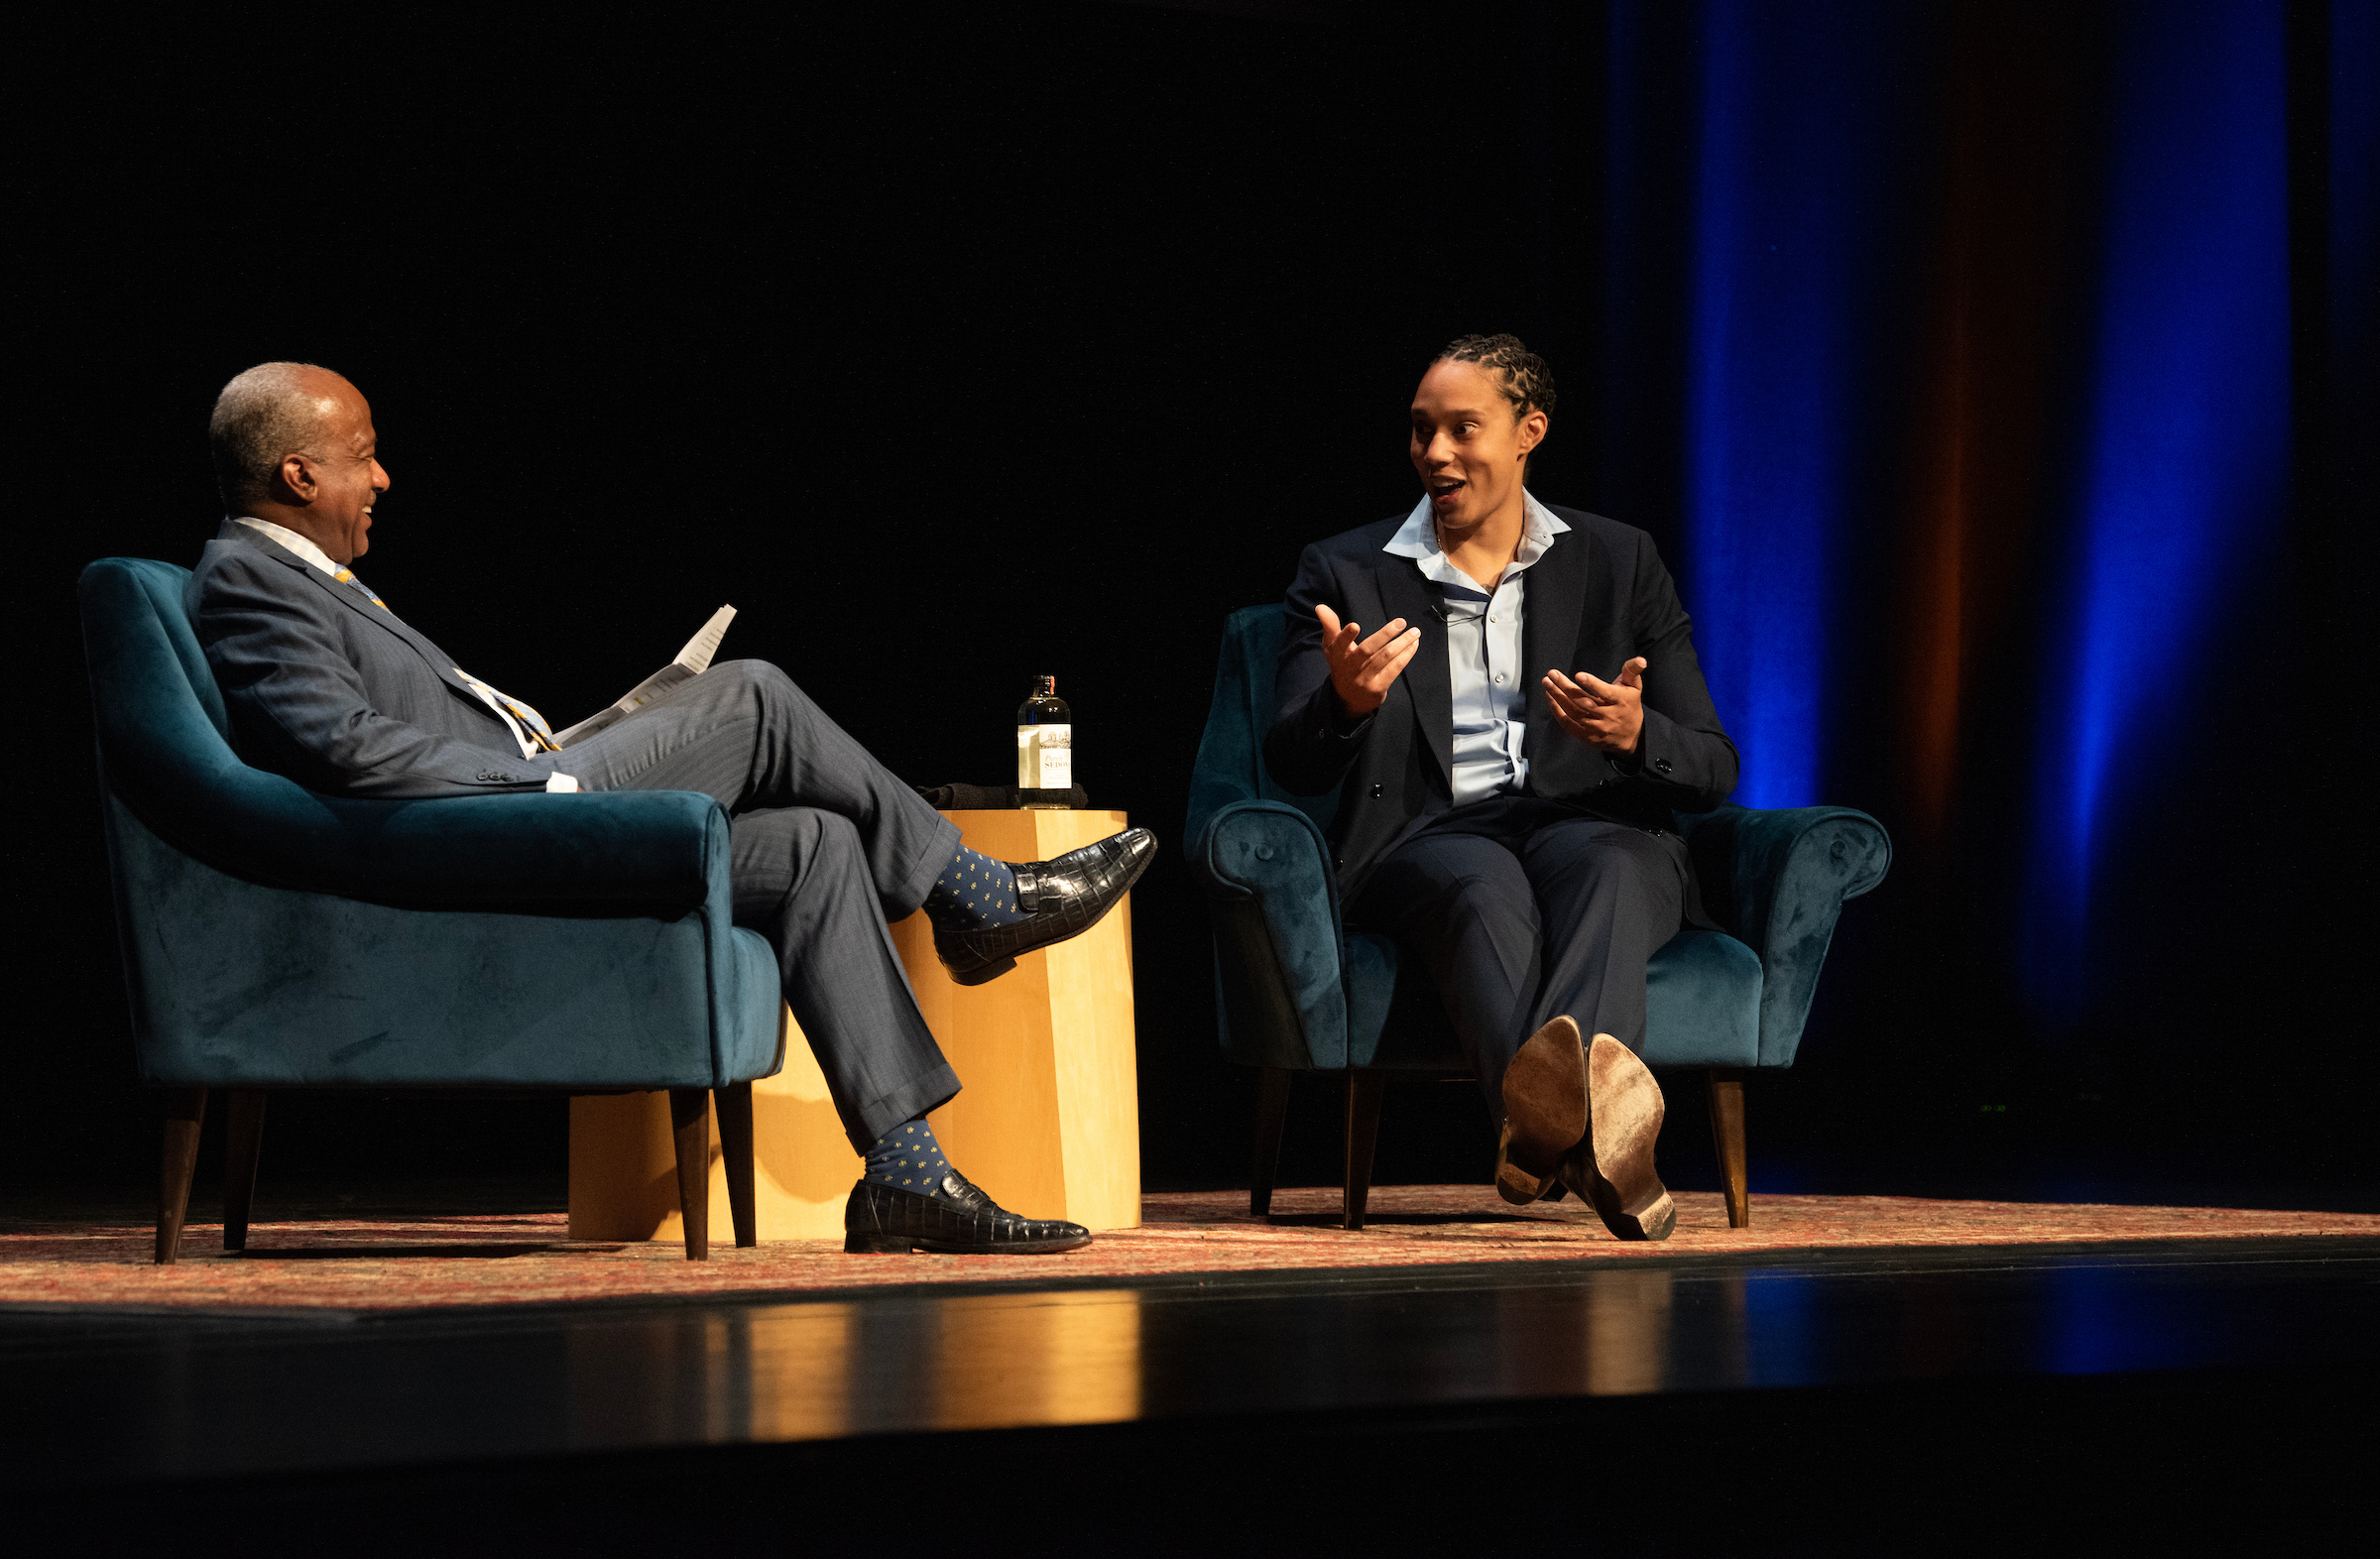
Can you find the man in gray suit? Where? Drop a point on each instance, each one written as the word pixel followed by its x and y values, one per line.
pixel 329 687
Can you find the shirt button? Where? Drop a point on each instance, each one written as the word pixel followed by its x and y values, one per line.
pixel 1493 619
pixel 1500 677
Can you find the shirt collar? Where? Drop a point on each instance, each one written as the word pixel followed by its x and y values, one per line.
pixel 294 541
pixel 1417 537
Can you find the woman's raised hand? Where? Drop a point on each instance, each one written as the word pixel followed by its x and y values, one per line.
pixel 1362 670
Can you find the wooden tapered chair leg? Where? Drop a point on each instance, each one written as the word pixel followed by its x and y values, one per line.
pixel 1363 1135
pixel 1726 1133
pixel 1272 1112
pixel 243 1140
pixel 735 1149
pixel 185 1108
pixel 690 1124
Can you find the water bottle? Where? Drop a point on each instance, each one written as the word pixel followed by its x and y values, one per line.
pixel 1045 747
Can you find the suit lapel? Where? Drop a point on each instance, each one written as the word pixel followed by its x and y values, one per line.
pixel 1549 632
pixel 354 600
pixel 1428 681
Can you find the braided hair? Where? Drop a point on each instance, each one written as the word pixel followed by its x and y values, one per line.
pixel 1521 374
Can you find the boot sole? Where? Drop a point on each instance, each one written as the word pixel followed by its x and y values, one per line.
pixel 979 974
pixel 1617 1155
pixel 1545 1100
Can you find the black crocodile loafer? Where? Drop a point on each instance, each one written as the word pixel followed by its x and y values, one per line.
pixel 961 1221
pixel 1060 899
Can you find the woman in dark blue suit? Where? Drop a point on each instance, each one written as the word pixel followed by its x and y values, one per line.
pixel 1513 740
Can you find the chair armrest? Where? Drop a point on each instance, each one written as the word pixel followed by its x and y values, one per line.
pixel 1777 881
pixel 1274 902
pixel 615 852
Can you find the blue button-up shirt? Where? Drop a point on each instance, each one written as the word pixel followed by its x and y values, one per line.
pixel 1482 651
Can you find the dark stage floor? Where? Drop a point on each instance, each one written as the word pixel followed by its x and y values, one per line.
pixel 1925 1401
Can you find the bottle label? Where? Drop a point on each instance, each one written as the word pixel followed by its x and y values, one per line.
pixel 1046 756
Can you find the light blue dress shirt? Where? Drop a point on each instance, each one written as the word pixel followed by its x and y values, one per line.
pixel 1482 651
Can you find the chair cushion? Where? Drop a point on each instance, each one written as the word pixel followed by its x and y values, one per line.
pixel 1703 1001
pixel 1702 998
pixel 234 983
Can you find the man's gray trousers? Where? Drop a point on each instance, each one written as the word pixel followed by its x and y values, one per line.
pixel 827 847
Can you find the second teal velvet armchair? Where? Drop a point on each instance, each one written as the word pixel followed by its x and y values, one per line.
pixel 1297 991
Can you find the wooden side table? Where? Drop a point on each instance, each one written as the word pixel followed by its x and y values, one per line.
pixel 1048 1121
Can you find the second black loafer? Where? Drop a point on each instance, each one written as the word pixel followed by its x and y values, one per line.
pixel 1060 899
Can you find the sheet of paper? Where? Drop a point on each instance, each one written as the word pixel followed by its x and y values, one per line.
pixel 696 655
pixel 691 661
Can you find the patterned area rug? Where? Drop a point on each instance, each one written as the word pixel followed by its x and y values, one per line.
pixel 384 1265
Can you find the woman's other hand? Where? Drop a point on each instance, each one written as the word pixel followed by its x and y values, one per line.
pixel 1605 715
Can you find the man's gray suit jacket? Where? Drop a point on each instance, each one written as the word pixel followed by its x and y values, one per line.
pixel 335 692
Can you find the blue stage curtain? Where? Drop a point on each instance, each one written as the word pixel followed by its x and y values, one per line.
pixel 1949 352
pixel 2181 493
pixel 1797 176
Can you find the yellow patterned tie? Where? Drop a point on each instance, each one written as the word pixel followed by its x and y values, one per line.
pixel 347 577
pixel 530 721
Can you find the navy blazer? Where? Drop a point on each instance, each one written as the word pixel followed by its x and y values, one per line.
pixel 1597 596
pixel 334 692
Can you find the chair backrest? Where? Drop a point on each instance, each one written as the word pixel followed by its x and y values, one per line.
pixel 164 731
pixel 136 603
pixel 1231 755
pixel 164 747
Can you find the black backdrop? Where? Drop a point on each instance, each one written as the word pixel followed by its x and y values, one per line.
pixel 953 347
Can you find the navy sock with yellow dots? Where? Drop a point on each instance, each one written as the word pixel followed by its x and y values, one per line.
pixel 974 892
pixel 907 1159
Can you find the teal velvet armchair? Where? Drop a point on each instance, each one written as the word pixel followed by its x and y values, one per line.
pixel 275 939
pixel 1297 990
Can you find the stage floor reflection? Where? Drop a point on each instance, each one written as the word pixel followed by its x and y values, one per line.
pixel 98 1398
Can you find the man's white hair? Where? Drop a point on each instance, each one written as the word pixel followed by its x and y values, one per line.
pixel 261 416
